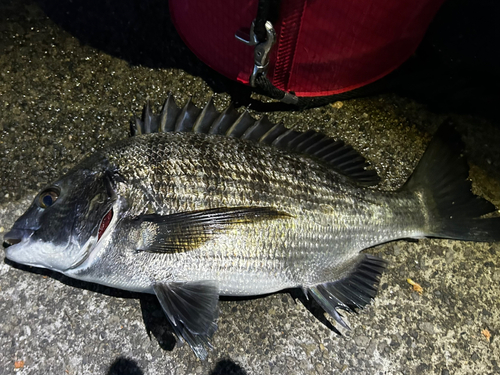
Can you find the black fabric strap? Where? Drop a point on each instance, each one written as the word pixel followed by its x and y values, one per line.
pixel 267 88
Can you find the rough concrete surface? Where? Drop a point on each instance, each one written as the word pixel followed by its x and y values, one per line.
pixel 74 73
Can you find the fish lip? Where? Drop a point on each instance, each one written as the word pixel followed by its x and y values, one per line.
pixel 16 236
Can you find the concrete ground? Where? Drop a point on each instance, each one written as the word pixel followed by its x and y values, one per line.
pixel 74 73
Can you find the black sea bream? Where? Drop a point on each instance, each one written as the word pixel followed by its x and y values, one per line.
pixel 199 204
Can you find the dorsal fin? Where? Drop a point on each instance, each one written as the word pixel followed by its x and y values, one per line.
pixel 341 157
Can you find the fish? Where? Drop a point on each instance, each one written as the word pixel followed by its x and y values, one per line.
pixel 199 204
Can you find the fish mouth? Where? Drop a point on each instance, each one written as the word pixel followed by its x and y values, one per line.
pixel 15 240
pixel 10 242
pixel 16 236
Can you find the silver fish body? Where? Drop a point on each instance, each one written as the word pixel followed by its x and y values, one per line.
pixel 329 219
pixel 200 204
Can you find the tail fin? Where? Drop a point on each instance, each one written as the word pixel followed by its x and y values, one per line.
pixel 442 179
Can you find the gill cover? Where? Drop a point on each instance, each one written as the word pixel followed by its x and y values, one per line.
pixel 63 223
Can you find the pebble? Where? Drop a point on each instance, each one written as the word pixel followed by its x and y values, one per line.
pixel 422 369
pixel 427 327
pixel 396 249
pixel 361 341
pixel 370 350
pixel 493 250
pixel 319 368
pixel 496 275
pixel 381 346
pixel 450 256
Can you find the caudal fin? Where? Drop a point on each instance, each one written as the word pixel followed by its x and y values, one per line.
pixel 441 178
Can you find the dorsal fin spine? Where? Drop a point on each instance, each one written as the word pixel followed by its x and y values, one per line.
pixel 256 131
pixel 239 126
pixel 168 115
pixel 206 117
pixel 224 120
pixel 272 133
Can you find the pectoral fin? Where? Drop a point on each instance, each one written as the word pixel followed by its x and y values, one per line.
pixel 186 231
pixel 192 309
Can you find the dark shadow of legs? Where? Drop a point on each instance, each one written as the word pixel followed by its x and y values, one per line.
pixel 124 366
pixel 227 367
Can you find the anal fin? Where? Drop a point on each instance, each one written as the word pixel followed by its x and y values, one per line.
pixel 192 309
pixel 352 292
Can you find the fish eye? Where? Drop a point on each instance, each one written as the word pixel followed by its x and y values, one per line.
pixel 48 197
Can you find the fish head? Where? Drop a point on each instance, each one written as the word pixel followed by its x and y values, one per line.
pixel 65 221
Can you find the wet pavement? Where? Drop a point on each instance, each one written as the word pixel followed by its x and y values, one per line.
pixel 74 74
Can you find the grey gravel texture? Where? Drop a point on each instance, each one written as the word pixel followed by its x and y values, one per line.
pixel 73 74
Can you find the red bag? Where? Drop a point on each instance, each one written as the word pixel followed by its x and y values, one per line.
pixel 322 47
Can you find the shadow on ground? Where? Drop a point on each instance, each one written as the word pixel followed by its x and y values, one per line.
pixel 126 366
